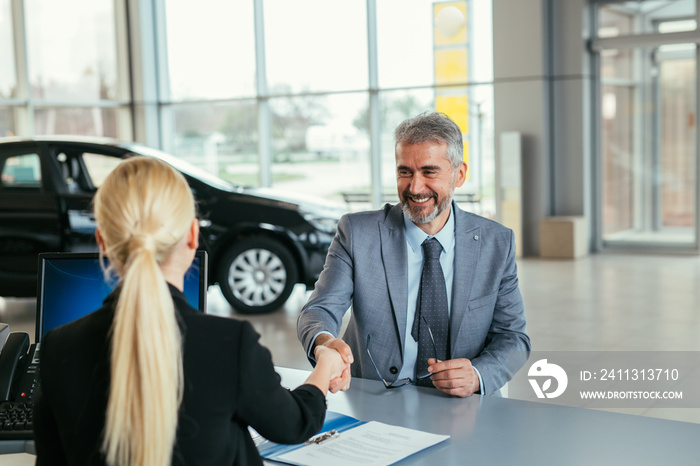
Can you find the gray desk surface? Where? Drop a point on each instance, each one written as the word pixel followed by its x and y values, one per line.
pixel 500 431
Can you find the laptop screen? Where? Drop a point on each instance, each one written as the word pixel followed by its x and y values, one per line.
pixel 72 285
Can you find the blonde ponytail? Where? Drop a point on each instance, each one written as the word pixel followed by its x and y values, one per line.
pixel 143 210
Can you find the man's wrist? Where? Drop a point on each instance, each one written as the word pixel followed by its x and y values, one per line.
pixel 317 341
pixel 321 340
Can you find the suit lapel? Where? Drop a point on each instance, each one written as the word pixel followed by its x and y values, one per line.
pixel 393 247
pixel 467 250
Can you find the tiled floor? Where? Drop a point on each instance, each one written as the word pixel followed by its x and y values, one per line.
pixel 598 303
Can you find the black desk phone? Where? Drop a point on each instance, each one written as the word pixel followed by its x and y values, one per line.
pixel 19 370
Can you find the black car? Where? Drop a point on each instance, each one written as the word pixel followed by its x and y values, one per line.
pixel 260 243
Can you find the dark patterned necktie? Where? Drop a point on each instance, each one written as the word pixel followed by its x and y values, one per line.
pixel 432 302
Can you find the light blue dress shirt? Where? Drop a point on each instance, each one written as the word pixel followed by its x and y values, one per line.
pixel 414 249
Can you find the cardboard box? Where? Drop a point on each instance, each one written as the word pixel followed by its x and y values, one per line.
pixel 563 237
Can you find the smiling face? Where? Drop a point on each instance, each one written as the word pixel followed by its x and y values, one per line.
pixel 426 183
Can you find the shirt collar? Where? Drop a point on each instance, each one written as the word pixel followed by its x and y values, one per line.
pixel 415 236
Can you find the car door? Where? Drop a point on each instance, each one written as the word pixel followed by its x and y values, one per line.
pixel 30 219
pixel 81 169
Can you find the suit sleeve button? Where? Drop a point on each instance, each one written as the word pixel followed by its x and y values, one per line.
pixel 393 370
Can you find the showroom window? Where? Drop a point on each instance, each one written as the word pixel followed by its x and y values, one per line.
pixel 317 73
pixel 8 72
pixel 69 69
pixel 315 45
pixel 648 107
pixel 210 49
pixel 302 96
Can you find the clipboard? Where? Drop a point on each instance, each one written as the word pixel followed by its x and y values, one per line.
pixel 346 441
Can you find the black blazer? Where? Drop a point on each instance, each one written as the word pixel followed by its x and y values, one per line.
pixel 230 384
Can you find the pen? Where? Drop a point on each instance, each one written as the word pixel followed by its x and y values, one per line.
pixel 323 437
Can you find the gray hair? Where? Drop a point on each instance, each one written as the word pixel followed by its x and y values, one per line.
pixel 435 127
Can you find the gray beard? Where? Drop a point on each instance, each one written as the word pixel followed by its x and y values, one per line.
pixel 432 215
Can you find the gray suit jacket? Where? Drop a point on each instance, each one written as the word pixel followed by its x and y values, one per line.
pixel 366 268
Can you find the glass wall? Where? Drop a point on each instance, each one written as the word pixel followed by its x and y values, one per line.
pixel 647 107
pixel 219 137
pixel 308 64
pixel 315 45
pixel 89 71
pixel 65 68
pixel 301 96
pixel 320 144
pixel 210 49
pixel 88 121
pixel 404 44
pixel 7 122
pixel 8 74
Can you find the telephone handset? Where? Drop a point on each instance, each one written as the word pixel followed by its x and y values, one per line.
pixel 15 367
pixel 19 370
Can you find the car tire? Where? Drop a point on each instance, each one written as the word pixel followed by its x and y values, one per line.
pixel 257 275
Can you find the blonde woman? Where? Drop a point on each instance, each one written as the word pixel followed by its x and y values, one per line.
pixel 146 379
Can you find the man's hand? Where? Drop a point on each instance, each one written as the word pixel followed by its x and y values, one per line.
pixel 341 383
pixel 455 376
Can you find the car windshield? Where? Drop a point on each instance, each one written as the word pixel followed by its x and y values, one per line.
pixel 185 167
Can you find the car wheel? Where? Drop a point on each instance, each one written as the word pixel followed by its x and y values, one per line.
pixel 257 275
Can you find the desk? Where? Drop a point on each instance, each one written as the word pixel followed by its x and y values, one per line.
pixel 501 431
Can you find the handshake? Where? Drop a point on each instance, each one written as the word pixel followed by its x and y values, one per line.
pixel 455 377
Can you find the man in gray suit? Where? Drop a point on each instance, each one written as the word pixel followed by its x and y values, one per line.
pixel 375 261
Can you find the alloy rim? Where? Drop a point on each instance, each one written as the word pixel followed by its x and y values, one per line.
pixel 257 277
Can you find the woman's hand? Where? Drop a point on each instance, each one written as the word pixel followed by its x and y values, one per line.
pixel 332 359
pixel 331 371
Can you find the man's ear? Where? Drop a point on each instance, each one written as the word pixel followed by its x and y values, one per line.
pixel 461 174
pixel 193 235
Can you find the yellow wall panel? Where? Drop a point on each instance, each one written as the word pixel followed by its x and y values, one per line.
pixel 451 66
pixel 456 107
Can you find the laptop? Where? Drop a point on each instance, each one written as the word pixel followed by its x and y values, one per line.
pixel 72 285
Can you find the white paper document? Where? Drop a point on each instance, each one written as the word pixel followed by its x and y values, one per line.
pixel 372 443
